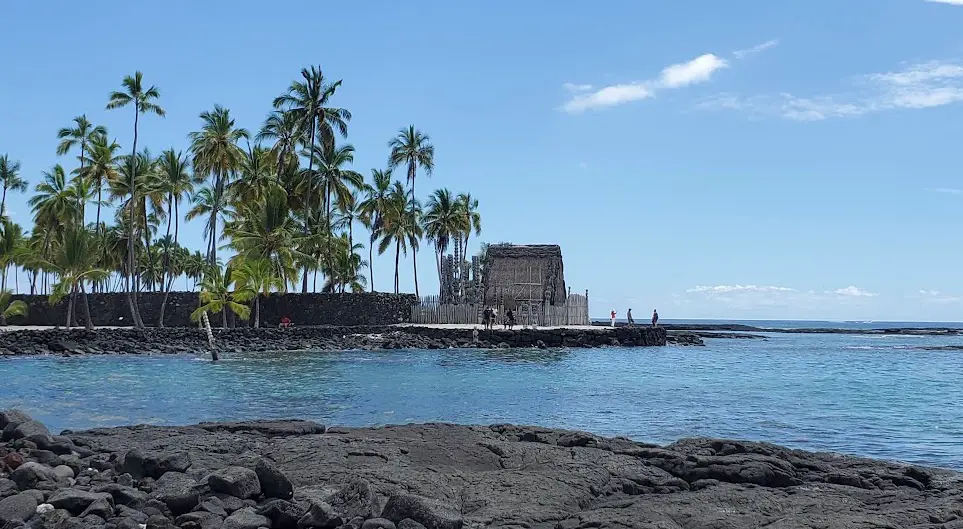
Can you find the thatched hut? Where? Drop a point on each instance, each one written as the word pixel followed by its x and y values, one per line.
pixel 523 274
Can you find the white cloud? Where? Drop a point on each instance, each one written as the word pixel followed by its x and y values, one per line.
pixel 572 87
pixel 696 71
pixel 729 289
pixel 742 54
pixel 922 85
pixel 951 2
pixel 929 292
pixel 855 292
pixel 946 190
pixel 935 296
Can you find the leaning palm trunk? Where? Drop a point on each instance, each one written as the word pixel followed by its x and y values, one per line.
pixel 70 307
pixel 371 262
pixel 131 271
pixel 89 324
pixel 165 283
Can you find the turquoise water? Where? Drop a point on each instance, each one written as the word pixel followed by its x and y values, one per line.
pixel 879 396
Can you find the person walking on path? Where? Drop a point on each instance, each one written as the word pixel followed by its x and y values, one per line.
pixel 655 318
pixel 613 317
pixel 628 316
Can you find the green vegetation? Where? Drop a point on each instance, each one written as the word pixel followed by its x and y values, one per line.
pixel 285 202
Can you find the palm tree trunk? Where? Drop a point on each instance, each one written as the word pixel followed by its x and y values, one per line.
pixel 100 190
pixel 371 263
pixel 70 306
pixel 3 203
pixel 218 183
pixel 131 271
pixel 165 283
pixel 224 317
pixel 257 311
pixel 397 257
pixel 307 207
pixel 150 258
pixel 414 260
pixel 83 297
pixel 414 223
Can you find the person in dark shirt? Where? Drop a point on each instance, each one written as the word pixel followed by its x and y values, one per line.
pixel 628 316
pixel 655 318
pixel 510 318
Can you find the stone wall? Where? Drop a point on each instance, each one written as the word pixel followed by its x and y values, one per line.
pixel 111 309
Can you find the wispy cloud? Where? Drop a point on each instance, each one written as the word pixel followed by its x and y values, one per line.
pixel 951 2
pixel 923 85
pixel 946 190
pixel 698 70
pixel 742 54
pixel 729 289
pixel 935 296
pixel 583 165
pixel 854 292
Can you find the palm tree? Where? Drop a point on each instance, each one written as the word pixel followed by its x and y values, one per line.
pixel 75 261
pixel 205 202
pixel 372 209
pixel 346 268
pixel 256 178
pixel 442 222
pixel 286 131
pixel 216 152
pixel 217 296
pixel 10 177
pixel 260 277
pixel 100 167
pixel 307 102
pixel 9 309
pixel 144 103
pixel 396 227
pixel 175 181
pixel 267 231
pixel 11 241
pixel 333 179
pixel 81 134
pixel 53 203
pixel 411 147
pixel 469 208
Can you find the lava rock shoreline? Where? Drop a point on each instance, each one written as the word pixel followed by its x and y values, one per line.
pixel 302 475
pixel 182 340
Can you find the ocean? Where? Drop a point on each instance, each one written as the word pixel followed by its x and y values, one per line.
pixel 892 397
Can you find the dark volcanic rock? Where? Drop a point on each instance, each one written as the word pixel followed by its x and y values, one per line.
pixel 433 514
pixel 274 484
pixel 32 475
pixel 520 477
pixel 154 465
pixel 24 429
pixel 17 508
pixel 177 491
pixel 239 482
pixel 356 499
pixel 245 519
pixel 283 514
pixel 75 500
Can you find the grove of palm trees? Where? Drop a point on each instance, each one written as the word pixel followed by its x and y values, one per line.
pixel 281 205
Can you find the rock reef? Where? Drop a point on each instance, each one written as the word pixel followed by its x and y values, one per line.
pixel 324 338
pixel 300 475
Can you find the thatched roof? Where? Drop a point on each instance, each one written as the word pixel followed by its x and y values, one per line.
pixel 526 251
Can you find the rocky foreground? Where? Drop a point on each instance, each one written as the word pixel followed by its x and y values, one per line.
pixel 178 340
pixel 300 475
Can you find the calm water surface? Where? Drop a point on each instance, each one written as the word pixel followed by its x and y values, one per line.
pixel 878 396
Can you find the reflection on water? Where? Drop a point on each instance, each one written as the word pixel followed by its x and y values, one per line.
pixel 866 395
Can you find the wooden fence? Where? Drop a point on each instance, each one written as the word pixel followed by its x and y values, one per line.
pixel 431 310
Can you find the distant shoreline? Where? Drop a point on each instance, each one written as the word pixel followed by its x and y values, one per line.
pixel 742 328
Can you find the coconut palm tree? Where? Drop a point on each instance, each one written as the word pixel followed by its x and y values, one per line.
pixel 372 208
pixel 11 242
pixel 100 166
pixel 443 221
pixel 284 128
pixel 206 201
pixel 260 277
pixel 144 102
pixel 10 309
pixel 217 296
pixel 75 261
pixel 307 101
pixel 10 178
pixel 345 270
pixel 256 176
pixel 267 231
pixel 53 202
pixel 333 178
pixel 469 208
pixel 217 153
pixel 412 148
pixel 176 182
pixel 396 226
pixel 81 134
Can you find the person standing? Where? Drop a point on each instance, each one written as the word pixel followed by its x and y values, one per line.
pixel 628 316
pixel 613 317
pixel 655 318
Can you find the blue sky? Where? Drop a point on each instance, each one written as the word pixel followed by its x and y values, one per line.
pixel 740 159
